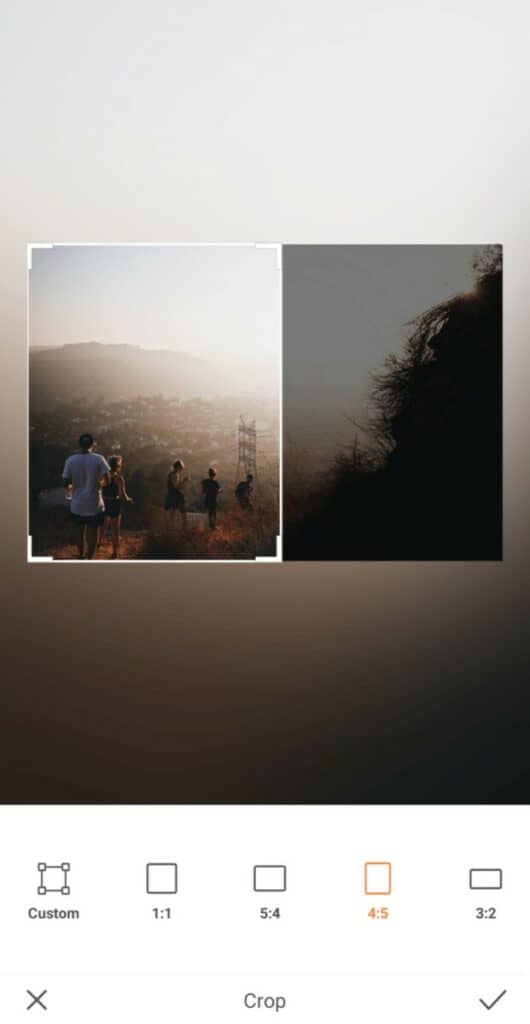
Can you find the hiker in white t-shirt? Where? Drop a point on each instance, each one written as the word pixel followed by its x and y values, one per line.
pixel 84 474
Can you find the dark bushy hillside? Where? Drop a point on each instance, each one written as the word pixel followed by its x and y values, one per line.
pixel 430 487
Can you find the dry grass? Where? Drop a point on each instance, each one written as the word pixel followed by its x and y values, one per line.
pixel 237 536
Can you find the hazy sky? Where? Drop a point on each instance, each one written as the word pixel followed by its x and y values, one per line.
pixel 347 307
pixel 207 301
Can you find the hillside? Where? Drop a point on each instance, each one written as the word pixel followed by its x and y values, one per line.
pixel 91 370
pixel 430 485
pixel 117 371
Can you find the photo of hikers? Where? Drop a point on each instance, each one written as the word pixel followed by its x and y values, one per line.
pixel 392 402
pixel 154 403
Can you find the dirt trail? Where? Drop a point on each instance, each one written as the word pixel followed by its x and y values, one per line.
pixel 131 547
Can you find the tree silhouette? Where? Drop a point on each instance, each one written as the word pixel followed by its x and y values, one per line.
pixel 432 485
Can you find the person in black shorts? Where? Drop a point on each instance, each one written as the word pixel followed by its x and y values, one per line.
pixel 175 497
pixel 84 474
pixel 114 494
pixel 211 490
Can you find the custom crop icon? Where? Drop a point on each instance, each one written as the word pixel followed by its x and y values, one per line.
pixel 270 878
pixel 485 878
pixel 162 879
pixel 54 878
pixel 378 878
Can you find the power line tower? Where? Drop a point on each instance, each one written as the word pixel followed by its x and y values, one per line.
pixel 246 449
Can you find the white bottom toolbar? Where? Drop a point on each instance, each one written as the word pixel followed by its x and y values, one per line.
pixel 300 1000
pixel 291 913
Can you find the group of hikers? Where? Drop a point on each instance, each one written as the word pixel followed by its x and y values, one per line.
pixel 211 489
pixel 97 492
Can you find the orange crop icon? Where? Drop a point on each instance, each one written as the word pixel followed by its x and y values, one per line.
pixel 378 878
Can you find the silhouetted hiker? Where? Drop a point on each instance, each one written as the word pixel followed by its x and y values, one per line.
pixel 84 474
pixel 244 493
pixel 114 494
pixel 175 497
pixel 211 489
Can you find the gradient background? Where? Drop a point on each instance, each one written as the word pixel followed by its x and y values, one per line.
pixel 298 122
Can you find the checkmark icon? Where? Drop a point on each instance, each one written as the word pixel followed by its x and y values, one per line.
pixel 489 1006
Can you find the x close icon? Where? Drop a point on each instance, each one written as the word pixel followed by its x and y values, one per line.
pixel 36 1000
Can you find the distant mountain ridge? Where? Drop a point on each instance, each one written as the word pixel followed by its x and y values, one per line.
pixel 89 370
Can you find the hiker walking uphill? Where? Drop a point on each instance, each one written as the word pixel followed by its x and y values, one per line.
pixel 211 490
pixel 243 493
pixel 175 497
